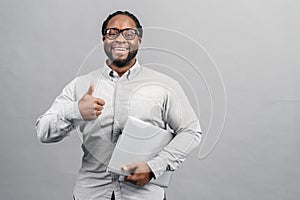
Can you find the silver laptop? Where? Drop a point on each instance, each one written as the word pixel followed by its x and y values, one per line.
pixel 140 142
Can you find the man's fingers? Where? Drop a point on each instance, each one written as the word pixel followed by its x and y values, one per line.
pixel 98 107
pixel 91 89
pixel 139 173
pixel 136 179
pixel 98 113
pixel 99 101
pixel 131 179
pixel 128 178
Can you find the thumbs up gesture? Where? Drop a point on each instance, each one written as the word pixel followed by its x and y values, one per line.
pixel 90 107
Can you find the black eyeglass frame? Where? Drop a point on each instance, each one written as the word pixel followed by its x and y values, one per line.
pixel 137 33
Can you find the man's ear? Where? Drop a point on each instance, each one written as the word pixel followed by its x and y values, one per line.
pixel 103 38
pixel 140 40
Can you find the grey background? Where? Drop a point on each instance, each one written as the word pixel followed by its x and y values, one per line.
pixel 255 44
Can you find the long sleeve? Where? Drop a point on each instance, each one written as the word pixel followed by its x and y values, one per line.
pixel 180 116
pixel 60 119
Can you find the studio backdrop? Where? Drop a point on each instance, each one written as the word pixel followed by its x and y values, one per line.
pixel 237 61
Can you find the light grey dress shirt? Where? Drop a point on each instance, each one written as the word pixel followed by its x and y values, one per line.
pixel 142 93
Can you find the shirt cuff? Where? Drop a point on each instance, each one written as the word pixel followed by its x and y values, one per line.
pixel 72 111
pixel 157 166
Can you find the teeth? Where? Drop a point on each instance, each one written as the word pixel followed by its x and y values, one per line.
pixel 120 49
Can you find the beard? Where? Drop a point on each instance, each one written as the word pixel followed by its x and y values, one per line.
pixel 121 62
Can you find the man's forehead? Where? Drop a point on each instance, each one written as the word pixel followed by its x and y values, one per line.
pixel 121 22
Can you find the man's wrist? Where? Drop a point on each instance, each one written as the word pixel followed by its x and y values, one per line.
pixel 155 169
pixel 72 112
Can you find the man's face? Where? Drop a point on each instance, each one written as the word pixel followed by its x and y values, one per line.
pixel 120 51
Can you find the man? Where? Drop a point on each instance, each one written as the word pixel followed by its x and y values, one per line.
pixel 98 104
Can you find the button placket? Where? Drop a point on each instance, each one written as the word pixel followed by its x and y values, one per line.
pixel 117 113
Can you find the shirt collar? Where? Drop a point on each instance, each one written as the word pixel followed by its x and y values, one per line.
pixel 134 70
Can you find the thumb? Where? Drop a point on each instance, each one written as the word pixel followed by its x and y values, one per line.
pixel 131 168
pixel 91 89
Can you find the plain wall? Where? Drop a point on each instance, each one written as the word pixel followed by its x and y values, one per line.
pixel 254 44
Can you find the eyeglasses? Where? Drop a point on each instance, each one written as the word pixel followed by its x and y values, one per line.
pixel 128 33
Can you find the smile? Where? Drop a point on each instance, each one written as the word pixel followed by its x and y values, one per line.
pixel 120 49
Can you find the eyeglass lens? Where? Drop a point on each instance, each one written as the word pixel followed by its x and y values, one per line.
pixel 128 34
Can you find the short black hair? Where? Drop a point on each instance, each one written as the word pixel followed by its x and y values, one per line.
pixel 134 18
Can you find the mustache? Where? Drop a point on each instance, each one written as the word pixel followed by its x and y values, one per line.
pixel 117 43
pixel 125 45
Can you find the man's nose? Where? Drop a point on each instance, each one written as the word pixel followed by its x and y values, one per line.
pixel 120 38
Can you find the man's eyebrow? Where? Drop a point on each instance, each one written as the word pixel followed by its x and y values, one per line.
pixel 122 28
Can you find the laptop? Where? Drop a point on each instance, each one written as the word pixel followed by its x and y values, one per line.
pixel 140 142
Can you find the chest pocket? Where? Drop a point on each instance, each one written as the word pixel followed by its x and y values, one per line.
pixel 146 103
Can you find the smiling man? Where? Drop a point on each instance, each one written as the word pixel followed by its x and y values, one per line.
pixel 98 105
pixel 121 51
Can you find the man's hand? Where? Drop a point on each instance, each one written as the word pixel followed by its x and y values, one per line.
pixel 140 173
pixel 90 107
